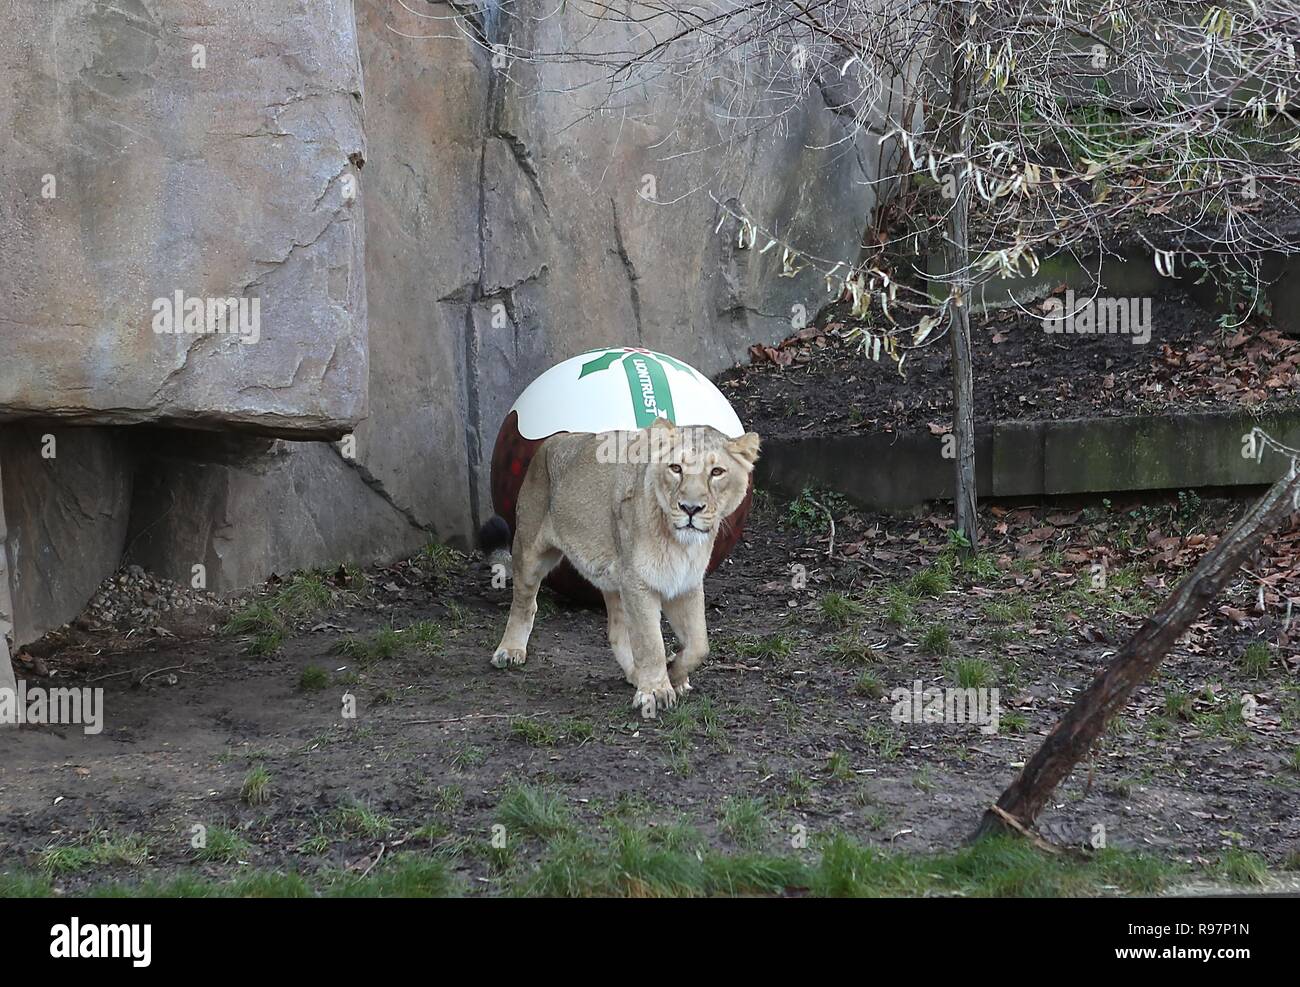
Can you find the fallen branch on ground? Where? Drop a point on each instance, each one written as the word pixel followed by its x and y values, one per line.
pixel 1074 735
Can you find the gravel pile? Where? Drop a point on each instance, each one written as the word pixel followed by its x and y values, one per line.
pixel 132 597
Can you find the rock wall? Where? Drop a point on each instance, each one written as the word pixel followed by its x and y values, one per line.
pixel 66 497
pixel 199 147
pixel 514 214
pixel 245 508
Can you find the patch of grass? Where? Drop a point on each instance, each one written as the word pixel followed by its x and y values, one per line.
pixel 937 640
pixel 1000 867
pixel 1227 722
pixel 838 766
pixel 839 610
pixel 317 844
pixel 635 861
pixel 1012 723
pixel 313 679
pixel 261 621
pixel 425 635
pixel 266 643
pixel 305 593
pixel 359 818
pixel 682 723
pixel 1238 866
pixel 1007 611
pixel 548 605
pixel 850 648
pixel 970 673
pixel 400 875
pixel 550 733
pixel 1178 704
pixel 432 831
pixel 448 798
pixel 770 647
pixel 385 643
pixel 885 743
pixel 900 607
pixel 931 581
pixel 25 885
pixel 634 864
pixel 999 636
pixel 678 726
pixel 404 875
pixel 797 784
pixel 869 685
pixel 98 848
pixel 256 789
pixel 221 846
pixel 982 568
pixel 708 721
pixel 468 757
pixel 254 618
pixel 1256 659
pixel 744 821
pixel 440 562
pixel 1124 578
pixel 533 811
pixel 456 615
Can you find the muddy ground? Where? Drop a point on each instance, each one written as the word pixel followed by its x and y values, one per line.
pixel 789 712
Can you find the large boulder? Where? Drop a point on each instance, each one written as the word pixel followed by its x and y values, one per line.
pixel 200 147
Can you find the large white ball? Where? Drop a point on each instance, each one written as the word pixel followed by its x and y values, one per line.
pixel 623 388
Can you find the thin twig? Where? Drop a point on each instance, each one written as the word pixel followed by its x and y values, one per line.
pixel 169 668
pixel 378 857
pixel 1019 827
pixel 830 549
pixel 482 716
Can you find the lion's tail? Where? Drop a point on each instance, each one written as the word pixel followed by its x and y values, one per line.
pixel 494 540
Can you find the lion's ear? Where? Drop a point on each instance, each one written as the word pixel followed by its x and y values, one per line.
pixel 745 448
pixel 661 422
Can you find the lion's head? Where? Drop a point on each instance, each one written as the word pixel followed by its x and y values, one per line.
pixel 699 476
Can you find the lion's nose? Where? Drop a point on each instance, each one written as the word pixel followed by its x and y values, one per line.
pixel 690 510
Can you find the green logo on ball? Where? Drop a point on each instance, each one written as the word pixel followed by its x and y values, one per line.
pixel 652 397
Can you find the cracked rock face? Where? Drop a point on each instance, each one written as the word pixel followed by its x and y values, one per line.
pixel 199 147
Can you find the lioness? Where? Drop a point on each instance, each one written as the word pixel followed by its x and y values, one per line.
pixel 636 513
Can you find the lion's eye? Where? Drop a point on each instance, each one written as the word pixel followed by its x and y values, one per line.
pixel 675 468
pixel 717 471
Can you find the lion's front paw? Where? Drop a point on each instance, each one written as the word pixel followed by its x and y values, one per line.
pixel 509 657
pixel 681 686
pixel 651 700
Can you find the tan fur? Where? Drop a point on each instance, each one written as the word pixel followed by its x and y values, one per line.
pixel 636 513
